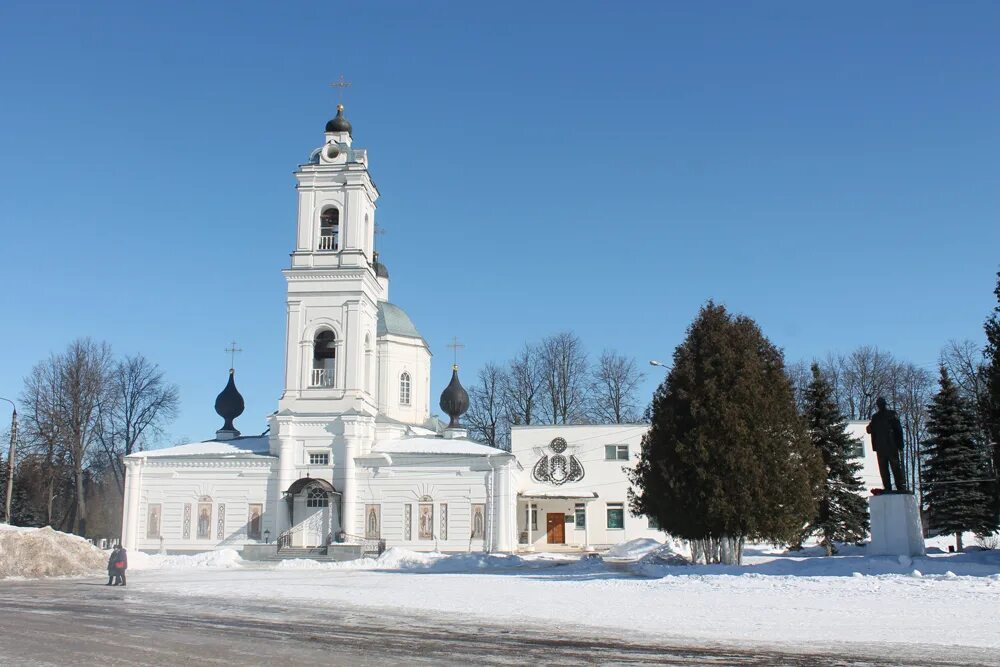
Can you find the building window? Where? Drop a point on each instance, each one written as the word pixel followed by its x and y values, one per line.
pixel 373 521
pixel 616 515
pixel 581 515
pixel 652 523
pixel 254 513
pixel 329 230
pixel 324 370
pixel 858 449
pixel 534 517
pixel 319 458
pixel 404 388
pixel 153 522
pixel 317 498
pixel 616 452
pixel 425 518
pixel 478 521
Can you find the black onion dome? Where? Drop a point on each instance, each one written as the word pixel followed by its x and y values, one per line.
pixel 339 124
pixel 229 404
pixel 454 399
pixel 380 270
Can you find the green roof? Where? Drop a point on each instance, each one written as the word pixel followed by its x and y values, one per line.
pixel 393 320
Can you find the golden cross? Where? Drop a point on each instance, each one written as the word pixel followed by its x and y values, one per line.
pixel 232 352
pixel 456 346
pixel 340 84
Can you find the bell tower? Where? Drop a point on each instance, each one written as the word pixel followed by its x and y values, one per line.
pixel 333 286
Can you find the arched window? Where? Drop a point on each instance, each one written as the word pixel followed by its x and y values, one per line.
pixel 317 498
pixel 324 370
pixel 404 388
pixel 329 230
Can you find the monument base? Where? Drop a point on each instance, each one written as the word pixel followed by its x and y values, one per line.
pixel 895 522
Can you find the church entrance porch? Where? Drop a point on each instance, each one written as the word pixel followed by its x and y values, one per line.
pixel 314 514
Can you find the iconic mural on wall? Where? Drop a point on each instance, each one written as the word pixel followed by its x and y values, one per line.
pixel 558 467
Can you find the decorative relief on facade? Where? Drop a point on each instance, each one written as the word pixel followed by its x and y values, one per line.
pixel 478 521
pixel 443 533
pixel 221 531
pixel 204 521
pixel 186 526
pixel 425 517
pixel 408 522
pixel 558 468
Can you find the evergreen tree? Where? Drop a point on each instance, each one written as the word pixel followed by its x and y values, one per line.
pixel 957 497
pixel 727 457
pixel 843 512
pixel 989 407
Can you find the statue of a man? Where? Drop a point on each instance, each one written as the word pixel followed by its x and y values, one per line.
pixel 887 441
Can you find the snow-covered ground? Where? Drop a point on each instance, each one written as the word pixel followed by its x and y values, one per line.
pixel 803 599
pixel 777 598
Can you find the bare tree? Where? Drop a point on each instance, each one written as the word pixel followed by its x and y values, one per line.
pixel 66 394
pixel 800 375
pixel 564 378
pixel 522 391
pixel 613 386
pixel 140 402
pixel 488 414
pixel 861 377
pixel 42 435
pixel 910 394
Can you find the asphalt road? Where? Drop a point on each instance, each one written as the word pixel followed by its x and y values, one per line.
pixel 73 622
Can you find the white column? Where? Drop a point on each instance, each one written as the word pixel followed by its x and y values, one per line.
pixel 286 475
pixel 505 506
pixel 130 513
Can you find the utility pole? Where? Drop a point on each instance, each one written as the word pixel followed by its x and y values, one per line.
pixel 10 459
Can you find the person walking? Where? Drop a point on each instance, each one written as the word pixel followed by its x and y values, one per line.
pixel 120 566
pixel 112 570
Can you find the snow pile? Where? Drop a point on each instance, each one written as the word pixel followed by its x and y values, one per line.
pixel 222 559
pixel 633 549
pixel 406 560
pixel 43 552
pixel 647 551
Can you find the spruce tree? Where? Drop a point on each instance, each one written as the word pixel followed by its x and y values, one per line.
pixel 727 457
pixel 843 512
pixel 989 407
pixel 957 497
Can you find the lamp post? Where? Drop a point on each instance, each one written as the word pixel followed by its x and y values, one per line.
pixel 654 362
pixel 10 459
pixel 267 536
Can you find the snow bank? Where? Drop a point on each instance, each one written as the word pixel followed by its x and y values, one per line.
pixel 43 552
pixel 223 558
pixel 404 559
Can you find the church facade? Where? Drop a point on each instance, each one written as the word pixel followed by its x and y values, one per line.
pixel 352 453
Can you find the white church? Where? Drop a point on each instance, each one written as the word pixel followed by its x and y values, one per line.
pixel 352 459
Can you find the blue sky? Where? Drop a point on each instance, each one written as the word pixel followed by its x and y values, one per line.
pixel 598 167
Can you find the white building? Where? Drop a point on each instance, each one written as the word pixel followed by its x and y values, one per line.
pixel 573 487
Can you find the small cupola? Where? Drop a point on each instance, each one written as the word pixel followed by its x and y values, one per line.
pixel 454 400
pixel 339 124
pixel 229 405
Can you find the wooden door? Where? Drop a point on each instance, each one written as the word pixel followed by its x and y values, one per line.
pixel 555 528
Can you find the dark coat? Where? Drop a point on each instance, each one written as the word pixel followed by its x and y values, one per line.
pixel 887 432
pixel 117 556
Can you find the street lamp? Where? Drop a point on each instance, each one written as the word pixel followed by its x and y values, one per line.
pixel 654 362
pixel 10 458
pixel 267 536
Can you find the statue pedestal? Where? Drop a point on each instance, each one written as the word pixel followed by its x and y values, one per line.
pixel 895 521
